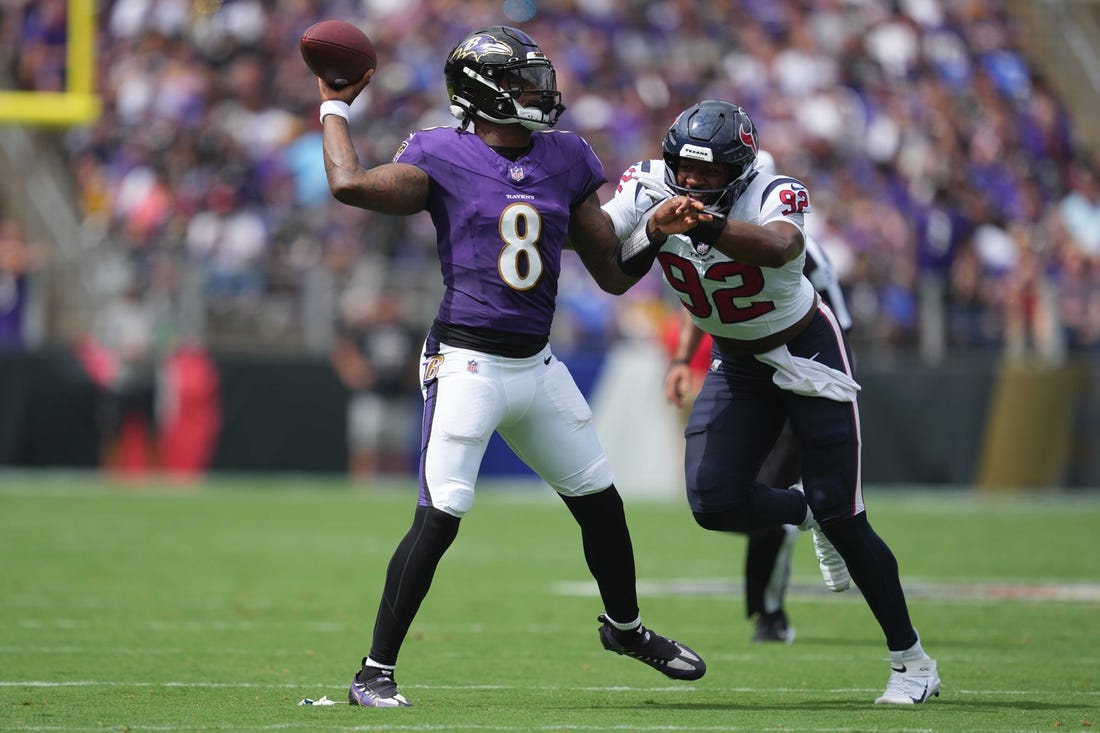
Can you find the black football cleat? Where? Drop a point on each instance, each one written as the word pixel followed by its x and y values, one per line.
pixel 374 687
pixel 670 658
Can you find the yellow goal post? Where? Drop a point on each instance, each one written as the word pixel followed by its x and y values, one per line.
pixel 78 104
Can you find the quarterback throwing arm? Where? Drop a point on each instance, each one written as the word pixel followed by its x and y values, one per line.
pixel 504 191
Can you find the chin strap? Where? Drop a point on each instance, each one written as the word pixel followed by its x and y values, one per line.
pixel 462 114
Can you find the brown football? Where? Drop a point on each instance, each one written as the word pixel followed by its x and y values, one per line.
pixel 338 52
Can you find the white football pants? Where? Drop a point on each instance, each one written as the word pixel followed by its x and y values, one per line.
pixel 533 403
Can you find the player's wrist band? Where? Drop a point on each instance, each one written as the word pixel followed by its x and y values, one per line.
pixel 335 107
pixel 638 251
pixel 649 235
pixel 708 231
pixel 679 362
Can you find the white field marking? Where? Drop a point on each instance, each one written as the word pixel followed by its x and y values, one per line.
pixel 961 591
pixel 143 650
pixel 632 689
pixel 857 658
pixel 316 627
pixel 263 685
pixel 85 623
pixel 312 724
pixel 967 591
pixel 224 651
pixel 214 603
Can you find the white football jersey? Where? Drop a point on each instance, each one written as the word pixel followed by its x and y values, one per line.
pixel 725 297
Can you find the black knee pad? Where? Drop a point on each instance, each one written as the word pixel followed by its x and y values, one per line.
pixel 849 531
pixel 727 521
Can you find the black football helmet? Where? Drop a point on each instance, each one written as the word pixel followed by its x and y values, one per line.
pixel 713 131
pixel 490 68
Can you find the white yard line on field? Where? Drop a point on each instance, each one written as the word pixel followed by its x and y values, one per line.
pixel 312 723
pixel 632 689
pixel 915 590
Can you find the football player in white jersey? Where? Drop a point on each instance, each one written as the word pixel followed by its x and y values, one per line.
pixel 779 355
pixel 768 560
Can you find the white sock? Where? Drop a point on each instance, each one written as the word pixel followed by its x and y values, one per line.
pixel 912 654
pixel 368 662
pixel 633 625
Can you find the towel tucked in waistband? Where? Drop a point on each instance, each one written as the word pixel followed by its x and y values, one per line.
pixel 808 377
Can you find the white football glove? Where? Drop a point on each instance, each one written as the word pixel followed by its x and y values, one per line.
pixel 652 187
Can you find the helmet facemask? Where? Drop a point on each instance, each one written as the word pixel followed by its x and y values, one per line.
pixel 717 201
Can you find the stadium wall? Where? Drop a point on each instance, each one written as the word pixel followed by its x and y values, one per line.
pixel 964 422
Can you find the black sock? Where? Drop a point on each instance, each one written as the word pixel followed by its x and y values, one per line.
pixel 760 560
pixel 408 578
pixel 608 550
pixel 875 570
pixel 370 672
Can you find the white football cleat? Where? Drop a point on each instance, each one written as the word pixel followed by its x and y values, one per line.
pixel 833 568
pixel 911 684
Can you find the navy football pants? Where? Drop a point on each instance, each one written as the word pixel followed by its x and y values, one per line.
pixel 738 416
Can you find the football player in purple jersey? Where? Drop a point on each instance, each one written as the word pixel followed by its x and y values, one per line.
pixel 779 354
pixel 505 192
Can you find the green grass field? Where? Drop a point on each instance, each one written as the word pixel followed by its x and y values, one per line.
pixel 218 608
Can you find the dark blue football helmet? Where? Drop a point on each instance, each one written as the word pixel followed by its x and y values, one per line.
pixel 487 72
pixel 713 131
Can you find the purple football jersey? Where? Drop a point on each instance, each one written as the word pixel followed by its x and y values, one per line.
pixel 501 224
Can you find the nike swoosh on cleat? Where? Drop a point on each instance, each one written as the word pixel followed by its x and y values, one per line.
pixel 903 669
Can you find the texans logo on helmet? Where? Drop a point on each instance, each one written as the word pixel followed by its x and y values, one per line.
pixel 479 46
pixel 747 137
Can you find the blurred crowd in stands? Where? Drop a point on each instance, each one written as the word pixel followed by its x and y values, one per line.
pixel 950 189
